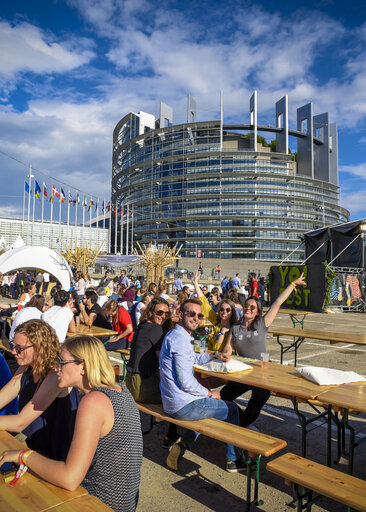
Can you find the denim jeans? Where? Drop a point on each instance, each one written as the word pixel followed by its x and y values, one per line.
pixel 208 408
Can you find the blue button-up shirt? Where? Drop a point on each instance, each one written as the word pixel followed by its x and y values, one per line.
pixel 178 386
pixel 235 282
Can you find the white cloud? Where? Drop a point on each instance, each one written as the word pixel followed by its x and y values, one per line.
pixel 356 170
pixel 25 47
pixel 354 201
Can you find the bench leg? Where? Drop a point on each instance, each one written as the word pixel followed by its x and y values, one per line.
pixel 304 422
pixel 295 345
pixel 124 364
pixel 253 468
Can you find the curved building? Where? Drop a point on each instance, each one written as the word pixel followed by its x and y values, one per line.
pixel 216 190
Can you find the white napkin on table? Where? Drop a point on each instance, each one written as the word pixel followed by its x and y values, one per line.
pixel 220 366
pixel 329 376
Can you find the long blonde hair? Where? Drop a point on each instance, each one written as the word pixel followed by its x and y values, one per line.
pixel 91 351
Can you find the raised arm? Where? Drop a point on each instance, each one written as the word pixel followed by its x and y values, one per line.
pixel 197 288
pixel 273 310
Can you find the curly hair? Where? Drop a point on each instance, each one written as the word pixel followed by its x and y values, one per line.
pixel 91 352
pixel 45 345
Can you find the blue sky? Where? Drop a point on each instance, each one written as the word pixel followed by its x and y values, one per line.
pixel 70 69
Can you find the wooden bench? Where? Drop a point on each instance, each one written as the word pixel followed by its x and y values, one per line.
pixel 308 477
pixel 252 444
pixel 125 355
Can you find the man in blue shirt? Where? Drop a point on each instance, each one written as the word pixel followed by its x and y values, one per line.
pixel 224 285
pixel 124 279
pixel 182 395
pixel 235 282
pixel 177 285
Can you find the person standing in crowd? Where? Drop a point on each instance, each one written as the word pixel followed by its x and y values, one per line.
pixel 224 285
pixel 105 455
pixel 19 282
pixel 249 340
pixel 124 279
pixel 39 281
pixel 80 284
pixel 46 412
pixel 6 285
pixel 261 290
pixel 177 285
pixel 105 281
pixel 200 269
pixel 46 282
pixel 182 395
pixel 60 316
pixel 235 282
pixel 253 291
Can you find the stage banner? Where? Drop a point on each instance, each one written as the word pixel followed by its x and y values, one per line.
pixel 304 298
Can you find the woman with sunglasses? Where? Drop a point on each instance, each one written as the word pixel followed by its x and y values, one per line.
pixel 248 339
pixel 222 321
pixel 142 377
pixel 46 412
pixel 105 455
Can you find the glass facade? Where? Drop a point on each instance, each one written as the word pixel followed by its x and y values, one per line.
pixel 222 199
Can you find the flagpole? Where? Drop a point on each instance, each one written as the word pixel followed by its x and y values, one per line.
pixel 76 217
pixel 97 221
pixel 34 204
pixel 115 228
pixel 82 232
pixel 68 216
pixel 110 227
pixel 51 238
pixel 59 219
pixel 104 205
pixel 127 234
pixel 42 213
pixel 90 218
pixel 23 209
pixel 132 230
pixel 29 194
pixel 122 207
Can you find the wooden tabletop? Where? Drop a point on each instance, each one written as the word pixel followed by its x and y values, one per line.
pixel 30 493
pixel 98 332
pixel 86 503
pixel 346 396
pixel 332 337
pixel 294 312
pixel 277 377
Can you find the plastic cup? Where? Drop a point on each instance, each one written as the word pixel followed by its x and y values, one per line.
pixel 77 320
pixel 264 359
pixel 116 372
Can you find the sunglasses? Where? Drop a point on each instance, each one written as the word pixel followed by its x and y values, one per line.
pixel 192 314
pixel 248 306
pixel 225 310
pixel 161 312
pixel 62 362
pixel 18 349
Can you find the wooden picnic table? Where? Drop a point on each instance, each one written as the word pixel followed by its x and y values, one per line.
pixel 297 316
pixel 299 336
pixel 281 379
pixel 347 397
pixel 31 494
pixel 86 503
pixel 98 332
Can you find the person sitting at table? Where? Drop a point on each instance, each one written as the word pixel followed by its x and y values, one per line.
pixel 183 397
pixel 32 310
pixel 28 291
pixel 214 298
pixel 51 300
pixel 60 316
pixel 122 323
pixel 91 313
pixel 46 412
pixel 105 455
pixel 248 339
pixel 5 377
pixel 222 321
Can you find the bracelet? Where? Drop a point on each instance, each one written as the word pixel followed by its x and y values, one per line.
pixel 210 394
pixel 294 285
pixel 23 456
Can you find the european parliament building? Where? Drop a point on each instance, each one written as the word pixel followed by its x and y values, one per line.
pixel 219 189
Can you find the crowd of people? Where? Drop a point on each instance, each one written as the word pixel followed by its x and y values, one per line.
pixel 83 427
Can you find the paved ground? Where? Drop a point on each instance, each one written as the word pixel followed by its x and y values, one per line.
pixel 201 484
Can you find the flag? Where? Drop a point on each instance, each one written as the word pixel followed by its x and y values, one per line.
pixel 26 186
pixel 63 197
pixel 91 204
pixel 44 189
pixel 103 206
pixel 70 198
pixel 52 198
pixel 37 190
pixel 84 202
pixel 119 209
pixel 96 205
pixel 108 206
pixel 55 192
pixel 77 198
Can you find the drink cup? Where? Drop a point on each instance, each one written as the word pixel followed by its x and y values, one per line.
pixel 264 359
pixel 116 372
pixel 77 320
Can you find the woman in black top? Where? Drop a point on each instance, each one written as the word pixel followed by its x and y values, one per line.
pixel 143 367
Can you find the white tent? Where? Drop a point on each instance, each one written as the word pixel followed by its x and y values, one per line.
pixel 18 243
pixel 41 258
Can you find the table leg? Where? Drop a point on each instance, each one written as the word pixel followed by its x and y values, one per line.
pixel 295 345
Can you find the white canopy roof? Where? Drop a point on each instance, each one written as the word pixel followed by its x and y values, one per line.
pixel 18 243
pixel 41 258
